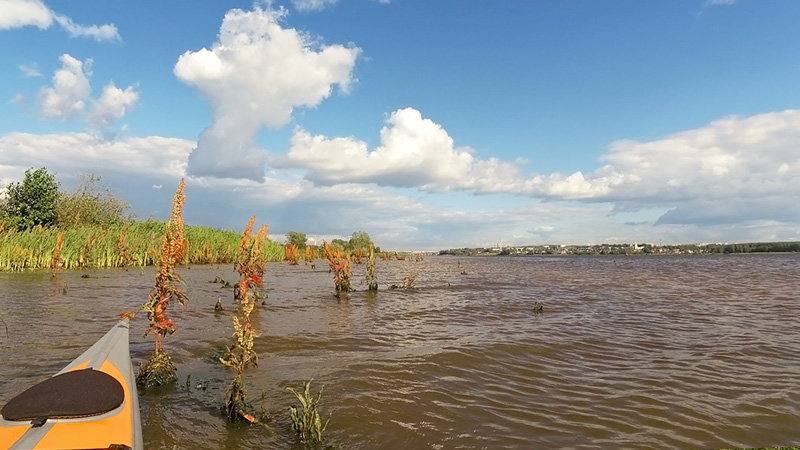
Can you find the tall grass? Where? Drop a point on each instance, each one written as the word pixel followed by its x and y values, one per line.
pixel 117 245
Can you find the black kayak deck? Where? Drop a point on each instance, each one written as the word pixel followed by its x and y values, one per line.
pixel 79 393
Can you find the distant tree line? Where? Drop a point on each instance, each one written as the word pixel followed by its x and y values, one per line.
pixel 359 240
pixel 627 249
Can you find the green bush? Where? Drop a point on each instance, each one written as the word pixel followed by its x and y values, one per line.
pixel 32 202
pixel 90 205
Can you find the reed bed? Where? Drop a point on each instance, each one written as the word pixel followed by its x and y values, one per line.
pixel 131 244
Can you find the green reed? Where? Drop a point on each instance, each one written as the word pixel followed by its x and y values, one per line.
pixel 118 245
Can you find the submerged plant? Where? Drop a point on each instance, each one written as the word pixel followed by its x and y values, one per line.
pixel 159 370
pixel 370 277
pixel 250 265
pixel 408 282
pixel 340 266
pixel 306 421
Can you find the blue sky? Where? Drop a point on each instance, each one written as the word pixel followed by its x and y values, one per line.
pixel 428 125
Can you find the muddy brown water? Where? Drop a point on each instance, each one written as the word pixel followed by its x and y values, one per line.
pixel 630 352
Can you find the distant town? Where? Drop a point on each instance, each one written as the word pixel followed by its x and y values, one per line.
pixel 628 249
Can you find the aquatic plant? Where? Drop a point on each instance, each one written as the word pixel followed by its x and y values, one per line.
pixel 310 254
pixel 4 325
pixel 359 255
pixel 291 254
pixel 340 266
pixel 56 262
pixel 386 255
pixel 400 256
pixel 250 266
pixel 159 369
pixel 408 281
pixel 369 276
pixel 306 421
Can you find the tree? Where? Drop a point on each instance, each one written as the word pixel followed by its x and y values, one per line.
pixel 359 240
pixel 296 238
pixel 34 201
pixel 341 244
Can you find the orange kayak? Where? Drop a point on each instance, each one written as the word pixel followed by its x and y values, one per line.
pixel 90 404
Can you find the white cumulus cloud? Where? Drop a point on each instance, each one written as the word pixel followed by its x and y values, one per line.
pixel 70 96
pixel 414 152
pixel 67 96
pixel 21 13
pixel 112 105
pixel 254 76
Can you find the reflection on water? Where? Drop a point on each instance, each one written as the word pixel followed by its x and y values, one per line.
pixel 630 352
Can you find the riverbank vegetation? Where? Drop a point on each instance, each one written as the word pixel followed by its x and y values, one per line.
pixel 44 228
pixel 129 244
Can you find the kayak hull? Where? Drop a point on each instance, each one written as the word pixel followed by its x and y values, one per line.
pixel 42 417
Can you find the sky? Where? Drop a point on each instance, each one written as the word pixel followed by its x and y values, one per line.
pixel 427 124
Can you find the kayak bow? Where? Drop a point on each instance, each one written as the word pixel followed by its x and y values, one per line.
pixel 90 404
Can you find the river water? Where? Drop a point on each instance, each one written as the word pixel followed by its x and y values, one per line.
pixel 662 352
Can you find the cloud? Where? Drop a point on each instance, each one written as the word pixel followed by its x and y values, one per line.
pixel 737 169
pixel 319 5
pixel 22 13
pixel 29 71
pixel 67 97
pixel 312 5
pixel 254 76
pixel 414 152
pixel 70 96
pixel 75 153
pixel 112 105
pixel 719 2
pixel 98 33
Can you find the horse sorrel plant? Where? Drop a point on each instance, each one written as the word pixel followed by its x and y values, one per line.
pixel 310 254
pixel 159 369
pixel 250 265
pixel 359 255
pixel 291 254
pixel 340 265
pixel 57 263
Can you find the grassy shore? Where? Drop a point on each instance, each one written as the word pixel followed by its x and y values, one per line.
pixel 129 244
